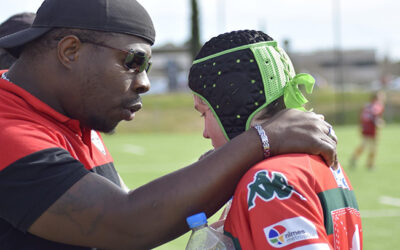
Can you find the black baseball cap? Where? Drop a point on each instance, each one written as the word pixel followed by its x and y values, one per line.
pixel 117 16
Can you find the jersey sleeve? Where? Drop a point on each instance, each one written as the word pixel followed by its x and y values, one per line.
pixel 275 206
pixel 35 171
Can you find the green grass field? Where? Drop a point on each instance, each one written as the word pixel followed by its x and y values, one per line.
pixel 143 157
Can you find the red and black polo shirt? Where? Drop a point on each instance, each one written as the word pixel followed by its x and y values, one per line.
pixel 42 154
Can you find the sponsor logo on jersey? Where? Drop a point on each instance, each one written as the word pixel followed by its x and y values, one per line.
pixel 268 186
pixel 290 231
pixel 97 142
pixel 339 177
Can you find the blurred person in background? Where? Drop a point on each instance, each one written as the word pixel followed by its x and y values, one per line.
pixel 240 80
pixel 370 121
pixel 81 69
pixel 13 24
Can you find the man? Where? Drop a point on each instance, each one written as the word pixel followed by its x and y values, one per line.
pixel 241 79
pixel 370 121
pixel 81 69
pixel 13 24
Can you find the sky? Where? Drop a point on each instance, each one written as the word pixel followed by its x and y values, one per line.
pixel 309 25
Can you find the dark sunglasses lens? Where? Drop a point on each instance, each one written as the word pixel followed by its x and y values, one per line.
pixel 145 66
pixel 130 61
pixel 137 61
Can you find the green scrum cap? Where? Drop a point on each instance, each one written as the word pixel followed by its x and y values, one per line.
pixel 237 83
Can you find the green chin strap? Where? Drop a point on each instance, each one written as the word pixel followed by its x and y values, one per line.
pixel 291 93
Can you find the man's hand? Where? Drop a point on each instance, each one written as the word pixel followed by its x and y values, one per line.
pixel 294 131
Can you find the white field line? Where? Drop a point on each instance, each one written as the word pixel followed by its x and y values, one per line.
pixel 133 149
pixel 380 213
pixel 389 201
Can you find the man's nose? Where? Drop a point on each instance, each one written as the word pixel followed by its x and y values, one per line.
pixel 141 83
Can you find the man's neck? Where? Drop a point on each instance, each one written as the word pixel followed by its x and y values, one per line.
pixel 37 82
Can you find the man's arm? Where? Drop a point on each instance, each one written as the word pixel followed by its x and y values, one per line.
pixel 94 212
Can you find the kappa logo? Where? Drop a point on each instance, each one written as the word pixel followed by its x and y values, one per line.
pixel 269 187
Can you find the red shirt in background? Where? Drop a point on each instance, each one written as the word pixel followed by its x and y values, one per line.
pixel 370 116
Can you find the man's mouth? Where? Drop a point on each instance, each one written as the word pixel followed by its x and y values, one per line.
pixel 136 107
pixel 129 111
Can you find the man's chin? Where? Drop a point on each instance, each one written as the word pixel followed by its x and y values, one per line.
pixel 111 132
pixel 103 127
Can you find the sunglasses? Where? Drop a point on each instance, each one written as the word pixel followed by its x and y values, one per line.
pixel 137 61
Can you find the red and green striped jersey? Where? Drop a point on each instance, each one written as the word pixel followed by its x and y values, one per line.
pixel 294 201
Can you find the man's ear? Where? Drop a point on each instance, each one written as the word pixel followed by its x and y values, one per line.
pixel 68 50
